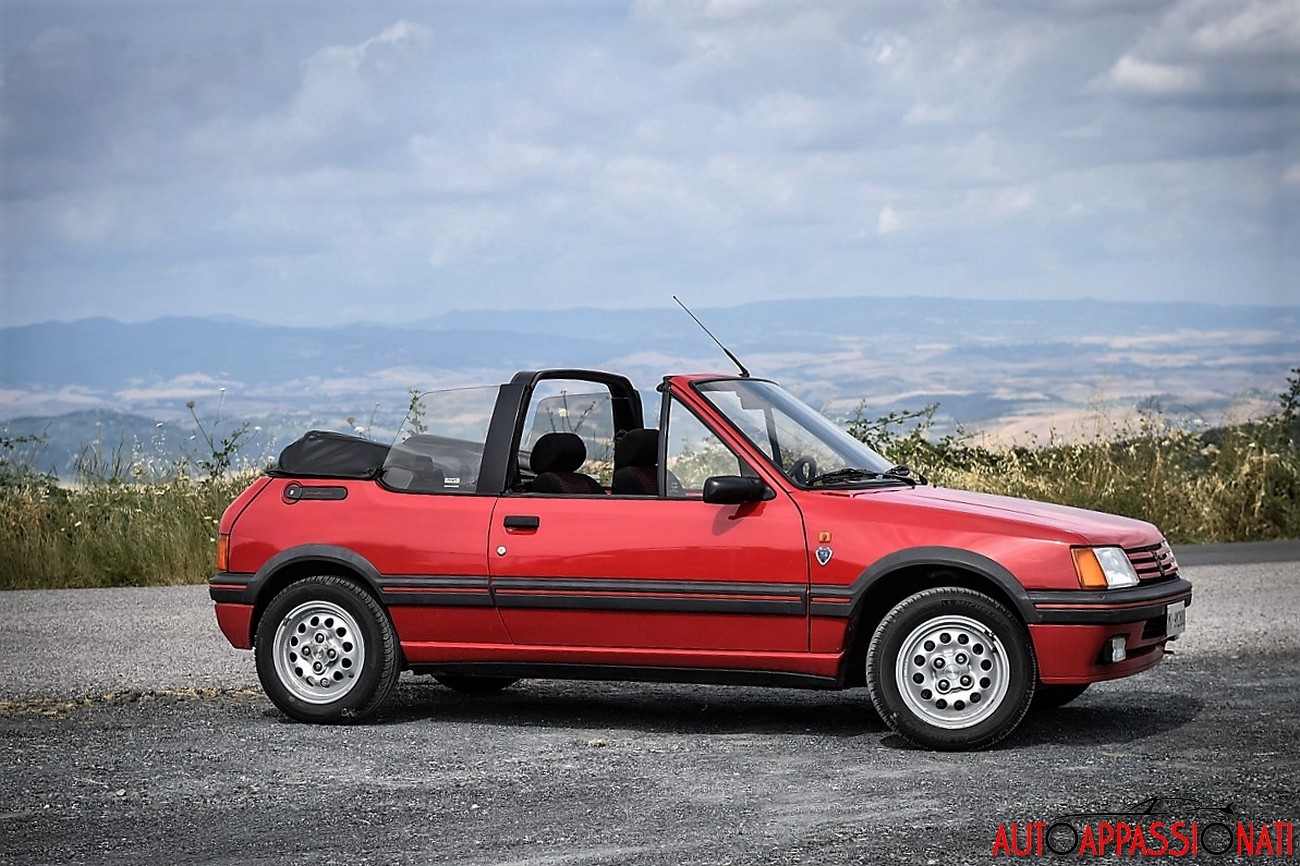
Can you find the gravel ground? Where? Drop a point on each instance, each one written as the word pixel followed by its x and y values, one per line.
pixel 134 734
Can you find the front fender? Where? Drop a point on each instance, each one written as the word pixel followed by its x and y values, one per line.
pixel 846 601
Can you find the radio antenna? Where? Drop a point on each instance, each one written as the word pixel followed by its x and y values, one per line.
pixel 726 351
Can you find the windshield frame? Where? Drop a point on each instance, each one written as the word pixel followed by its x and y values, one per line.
pixel 822 430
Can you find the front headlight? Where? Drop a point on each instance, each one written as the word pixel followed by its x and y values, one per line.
pixel 1104 568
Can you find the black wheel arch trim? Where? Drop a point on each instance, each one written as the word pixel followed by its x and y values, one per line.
pixel 847 601
pixel 318 553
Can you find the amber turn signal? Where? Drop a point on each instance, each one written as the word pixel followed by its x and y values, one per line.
pixel 1091 575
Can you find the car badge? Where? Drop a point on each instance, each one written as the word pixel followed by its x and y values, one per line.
pixel 823 555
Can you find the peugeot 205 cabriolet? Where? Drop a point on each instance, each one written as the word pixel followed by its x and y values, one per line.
pixel 541 528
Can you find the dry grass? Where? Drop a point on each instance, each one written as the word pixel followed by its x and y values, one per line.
pixel 111 534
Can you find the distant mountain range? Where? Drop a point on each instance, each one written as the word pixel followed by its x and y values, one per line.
pixel 1000 366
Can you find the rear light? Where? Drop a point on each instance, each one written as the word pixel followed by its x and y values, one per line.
pixel 223 551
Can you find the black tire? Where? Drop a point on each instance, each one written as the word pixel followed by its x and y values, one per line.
pixel 326 651
pixel 472 685
pixel 1049 697
pixel 950 669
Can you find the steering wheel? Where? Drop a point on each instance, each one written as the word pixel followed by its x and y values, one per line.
pixel 803 470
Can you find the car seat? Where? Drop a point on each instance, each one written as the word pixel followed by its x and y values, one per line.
pixel 636 458
pixel 555 458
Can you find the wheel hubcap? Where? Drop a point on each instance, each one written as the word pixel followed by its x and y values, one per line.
pixel 318 652
pixel 952 672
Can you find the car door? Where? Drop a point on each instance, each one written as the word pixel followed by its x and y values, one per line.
pixel 668 572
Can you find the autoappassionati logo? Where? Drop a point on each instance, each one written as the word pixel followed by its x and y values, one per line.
pixel 1155 827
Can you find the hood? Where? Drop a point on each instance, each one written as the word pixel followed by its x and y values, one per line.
pixel 1076 525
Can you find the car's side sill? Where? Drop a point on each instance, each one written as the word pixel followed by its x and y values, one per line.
pixel 629 673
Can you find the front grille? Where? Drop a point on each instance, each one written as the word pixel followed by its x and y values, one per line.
pixel 1152 563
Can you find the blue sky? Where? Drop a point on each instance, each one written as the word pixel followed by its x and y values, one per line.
pixel 324 162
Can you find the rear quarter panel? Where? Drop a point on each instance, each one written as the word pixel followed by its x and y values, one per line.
pixel 406 536
pixel 397 533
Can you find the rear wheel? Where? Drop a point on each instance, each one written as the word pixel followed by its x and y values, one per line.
pixel 471 685
pixel 950 669
pixel 326 651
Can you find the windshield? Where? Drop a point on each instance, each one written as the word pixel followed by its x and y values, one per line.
pixel 807 446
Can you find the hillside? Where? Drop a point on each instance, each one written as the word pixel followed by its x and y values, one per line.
pixel 1009 368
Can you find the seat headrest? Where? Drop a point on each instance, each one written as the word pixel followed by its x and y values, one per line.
pixel 638 447
pixel 557 452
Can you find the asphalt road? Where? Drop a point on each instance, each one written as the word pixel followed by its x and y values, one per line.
pixel 133 734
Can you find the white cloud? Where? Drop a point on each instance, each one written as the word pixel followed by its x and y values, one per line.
pixel 88 223
pixel 1226 47
pixel 1238 28
pixel 785 111
pixel 888 221
pixel 1002 202
pixel 923 114
pixel 639 187
pixel 1139 76
pixel 460 231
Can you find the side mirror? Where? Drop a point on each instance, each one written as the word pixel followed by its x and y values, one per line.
pixel 734 490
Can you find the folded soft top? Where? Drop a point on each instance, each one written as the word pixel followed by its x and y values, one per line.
pixel 326 454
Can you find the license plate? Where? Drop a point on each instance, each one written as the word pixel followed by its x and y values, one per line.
pixel 1176 619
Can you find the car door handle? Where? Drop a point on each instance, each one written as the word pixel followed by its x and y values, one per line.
pixel 522 521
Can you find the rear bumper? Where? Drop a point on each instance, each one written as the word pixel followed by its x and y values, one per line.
pixel 228 588
pixel 229 594
pixel 1074 627
pixel 236 623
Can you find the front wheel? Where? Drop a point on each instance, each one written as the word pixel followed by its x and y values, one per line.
pixel 950 669
pixel 326 651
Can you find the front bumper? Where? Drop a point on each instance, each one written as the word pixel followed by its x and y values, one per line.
pixel 1075 625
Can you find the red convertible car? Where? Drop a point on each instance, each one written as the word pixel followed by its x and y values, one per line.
pixel 542 528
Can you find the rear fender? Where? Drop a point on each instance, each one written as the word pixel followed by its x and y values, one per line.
pixel 307 560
